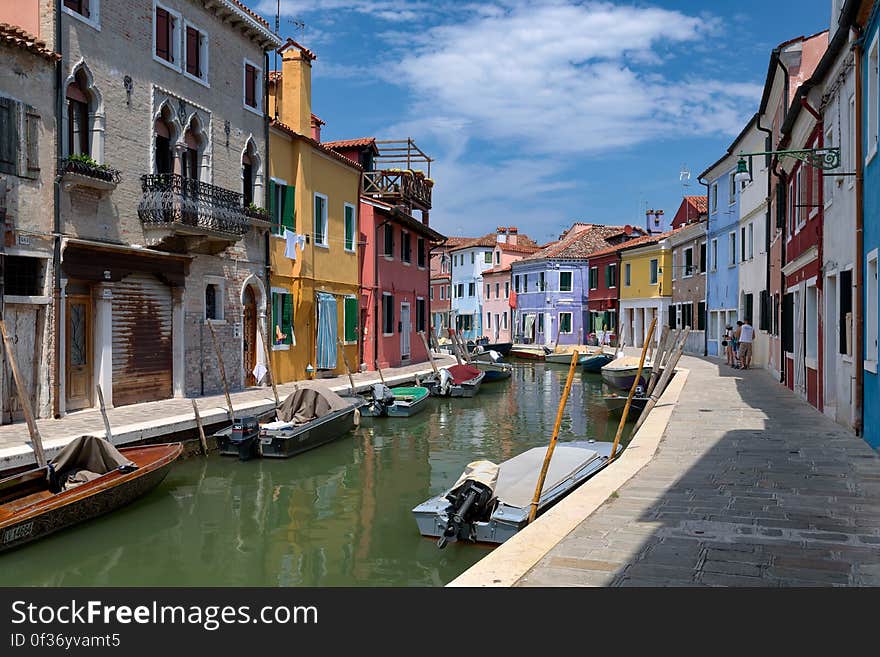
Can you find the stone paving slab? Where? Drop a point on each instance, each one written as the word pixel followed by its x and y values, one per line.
pixel 750 486
pixel 137 422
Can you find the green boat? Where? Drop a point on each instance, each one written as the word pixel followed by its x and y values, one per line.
pixel 565 359
pixel 396 402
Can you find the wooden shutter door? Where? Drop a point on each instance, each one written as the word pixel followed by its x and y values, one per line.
pixel 287 318
pixel 351 311
pixel 162 40
pixel 288 219
pixel 192 52
pixel 142 356
pixel 8 136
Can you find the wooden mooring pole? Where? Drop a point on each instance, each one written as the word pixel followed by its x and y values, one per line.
pixel 222 372
pixel 632 390
pixel 36 439
pixel 202 438
pixel 269 372
pixel 345 362
pixel 107 433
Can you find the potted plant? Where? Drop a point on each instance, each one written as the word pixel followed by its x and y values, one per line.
pixel 84 165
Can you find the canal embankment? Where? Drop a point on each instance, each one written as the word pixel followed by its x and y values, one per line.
pixel 173 419
pixel 749 486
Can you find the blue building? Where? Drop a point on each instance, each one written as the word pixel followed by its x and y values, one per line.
pixel 722 245
pixel 871 244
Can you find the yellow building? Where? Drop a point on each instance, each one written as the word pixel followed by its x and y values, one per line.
pixel 645 287
pixel 313 250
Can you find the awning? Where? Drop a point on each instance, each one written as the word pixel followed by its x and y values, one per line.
pixel 99 261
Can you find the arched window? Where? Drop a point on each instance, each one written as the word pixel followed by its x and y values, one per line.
pixel 248 173
pixel 164 157
pixel 194 140
pixel 79 123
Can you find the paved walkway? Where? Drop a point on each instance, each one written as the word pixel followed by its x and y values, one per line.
pixel 152 419
pixel 750 487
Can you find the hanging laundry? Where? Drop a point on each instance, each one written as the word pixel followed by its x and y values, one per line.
pixel 301 242
pixel 290 239
pixel 259 372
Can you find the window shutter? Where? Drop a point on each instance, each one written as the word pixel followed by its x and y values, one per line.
pixel 288 220
pixel 788 323
pixel 287 317
pixel 351 312
pixel 250 85
pixel 781 206
pixel 32 133
pixel 8 136
pixel 163 45
pixel 270 205
pixel 192 52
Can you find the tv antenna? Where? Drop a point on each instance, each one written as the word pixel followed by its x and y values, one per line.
pixel 684 176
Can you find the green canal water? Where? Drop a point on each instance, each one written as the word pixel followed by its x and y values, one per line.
pixel 338 515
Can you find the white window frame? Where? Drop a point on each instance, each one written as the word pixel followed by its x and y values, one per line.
pixel 800 215
pixel 258 91
pixel 713 192
pixel 687 272
pixel 571 273
pixel 714 255
pixel 873 99
pixel 627 274
pixel 613 286
pixel 731 249
pixel 654 276
pixel 733 186
pixel 384 334
pixel 353 248
pixel 570 323
pixel 325 220
pixel 592 287
pixel 220 282
pixel 751 234
pixel 203 53
pixel 811 327
pixel 94 19
pixel 175 37
pixel 851 156
pixel 275 204
pixel 404 236
pixel 871 310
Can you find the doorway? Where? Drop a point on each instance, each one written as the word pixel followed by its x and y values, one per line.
pixel 405 329
pixel 78 332
pixel 249 336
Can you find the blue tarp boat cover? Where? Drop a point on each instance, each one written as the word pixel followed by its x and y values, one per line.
pixel 326 348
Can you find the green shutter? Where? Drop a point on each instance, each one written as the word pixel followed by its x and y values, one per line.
pixel 270 206
pixel 349 228
pixel 287 318
pixel 607 275
pixel 319 221
pixel 288 218
pixel 351 318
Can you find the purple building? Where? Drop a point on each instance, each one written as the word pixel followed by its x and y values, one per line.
pixel 552 284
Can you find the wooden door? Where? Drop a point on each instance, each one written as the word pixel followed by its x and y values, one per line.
pixel 249 336
pixel 405 329
pixel 78 332
pixel 22 327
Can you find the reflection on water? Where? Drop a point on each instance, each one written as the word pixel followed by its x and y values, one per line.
pixel 338 515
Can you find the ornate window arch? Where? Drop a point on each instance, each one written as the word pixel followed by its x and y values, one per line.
pixel 83 115
pixel 252 174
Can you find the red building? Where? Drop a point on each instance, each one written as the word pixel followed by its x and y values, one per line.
pixel 394 249
pixel 691 209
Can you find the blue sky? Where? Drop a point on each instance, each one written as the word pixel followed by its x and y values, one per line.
pixel 544 112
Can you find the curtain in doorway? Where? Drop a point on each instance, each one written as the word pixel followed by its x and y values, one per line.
pixel 327 330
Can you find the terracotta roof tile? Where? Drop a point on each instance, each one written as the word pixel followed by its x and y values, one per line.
pixel 497 270
pixel 645 240
pixel 699 203
pixel 351 143
pixel 262 21
pixel 523 243
pixel 14 36
pixel 275 123
pixel 579 244
pixel 290 43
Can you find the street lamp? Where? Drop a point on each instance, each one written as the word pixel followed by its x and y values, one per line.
pixel 742 171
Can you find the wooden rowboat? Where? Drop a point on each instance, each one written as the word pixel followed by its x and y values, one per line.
pixel 32 506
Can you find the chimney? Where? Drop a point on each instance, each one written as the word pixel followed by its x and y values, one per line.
pixel 295 102
pixel 512 234
pixel 316 128
pixel 501 237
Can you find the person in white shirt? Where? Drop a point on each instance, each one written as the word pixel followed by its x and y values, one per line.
pixel 744 346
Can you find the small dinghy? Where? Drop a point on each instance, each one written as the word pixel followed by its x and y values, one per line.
pixel 564 358
pixel 595 362
pixel 616 403
pixel 88 478
pixel 530 352
pixel 395 402
pixel 621 373
pixel 490 503
pixel 311 416
pixel 455 381
pixel 492 365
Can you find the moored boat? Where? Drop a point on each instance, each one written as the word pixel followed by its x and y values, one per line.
pixel 621 372
pixel 395 402
pixel 564 358
pixel 529 352
pixel 455 381
pixel 594 363
pixel 88 478
pixel 492 365
pixel 616 403
pixel 490 503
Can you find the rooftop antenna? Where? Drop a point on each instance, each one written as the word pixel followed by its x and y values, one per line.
pixel 684 177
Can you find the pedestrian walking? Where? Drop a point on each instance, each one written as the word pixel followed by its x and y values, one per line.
pixel 727 342
pixel 745 341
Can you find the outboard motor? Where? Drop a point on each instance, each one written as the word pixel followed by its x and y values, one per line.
pixel 445 382
pixel 471 499
pixel 246 436
pixel 382 398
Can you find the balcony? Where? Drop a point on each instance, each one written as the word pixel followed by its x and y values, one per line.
pixel 397 178
pixel 186 215
pixel 83 172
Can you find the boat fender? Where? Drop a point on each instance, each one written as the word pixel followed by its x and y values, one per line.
pixel 357 417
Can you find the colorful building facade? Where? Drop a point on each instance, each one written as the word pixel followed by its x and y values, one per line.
pixel 313 250
pixel 646 288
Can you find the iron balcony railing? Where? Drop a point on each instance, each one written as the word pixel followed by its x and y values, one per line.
pixel 170 198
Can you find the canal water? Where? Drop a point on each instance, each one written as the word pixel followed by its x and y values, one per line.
pixel 339 515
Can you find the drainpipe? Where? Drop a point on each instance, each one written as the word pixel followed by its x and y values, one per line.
pixel 56 191
pixel 376 293
pixel 768 217
pixel 782 181
pixel 266 238
pixel 858 410
pixel 706 292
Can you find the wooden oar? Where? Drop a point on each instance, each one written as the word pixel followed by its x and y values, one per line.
pixel 222 372
pixel 268 363
pixel 463 347
pixel 454 345
pixel 664 380
pixel 632 391
pixel 428 350
pixel 107 433
pixel 25 402
pixel 554 438
pixel 666 343
pixel 345 361
pixel 202 438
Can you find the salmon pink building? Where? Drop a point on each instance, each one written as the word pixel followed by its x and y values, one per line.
pixel 394 248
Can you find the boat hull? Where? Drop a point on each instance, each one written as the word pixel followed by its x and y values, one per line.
pixel 502 348
pixel 401 407
pixel 623 379
pixel 285 443
pixel 616 403
pixel 528 354
pixel 564 359
pixel 494 375
pixel 506 521
pixel 92 499
pixel 594 364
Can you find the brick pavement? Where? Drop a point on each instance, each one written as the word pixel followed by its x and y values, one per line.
pixel 751 486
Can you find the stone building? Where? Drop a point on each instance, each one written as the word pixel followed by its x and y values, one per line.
pixel 27 157
pixel 162 159
pixel 688 242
